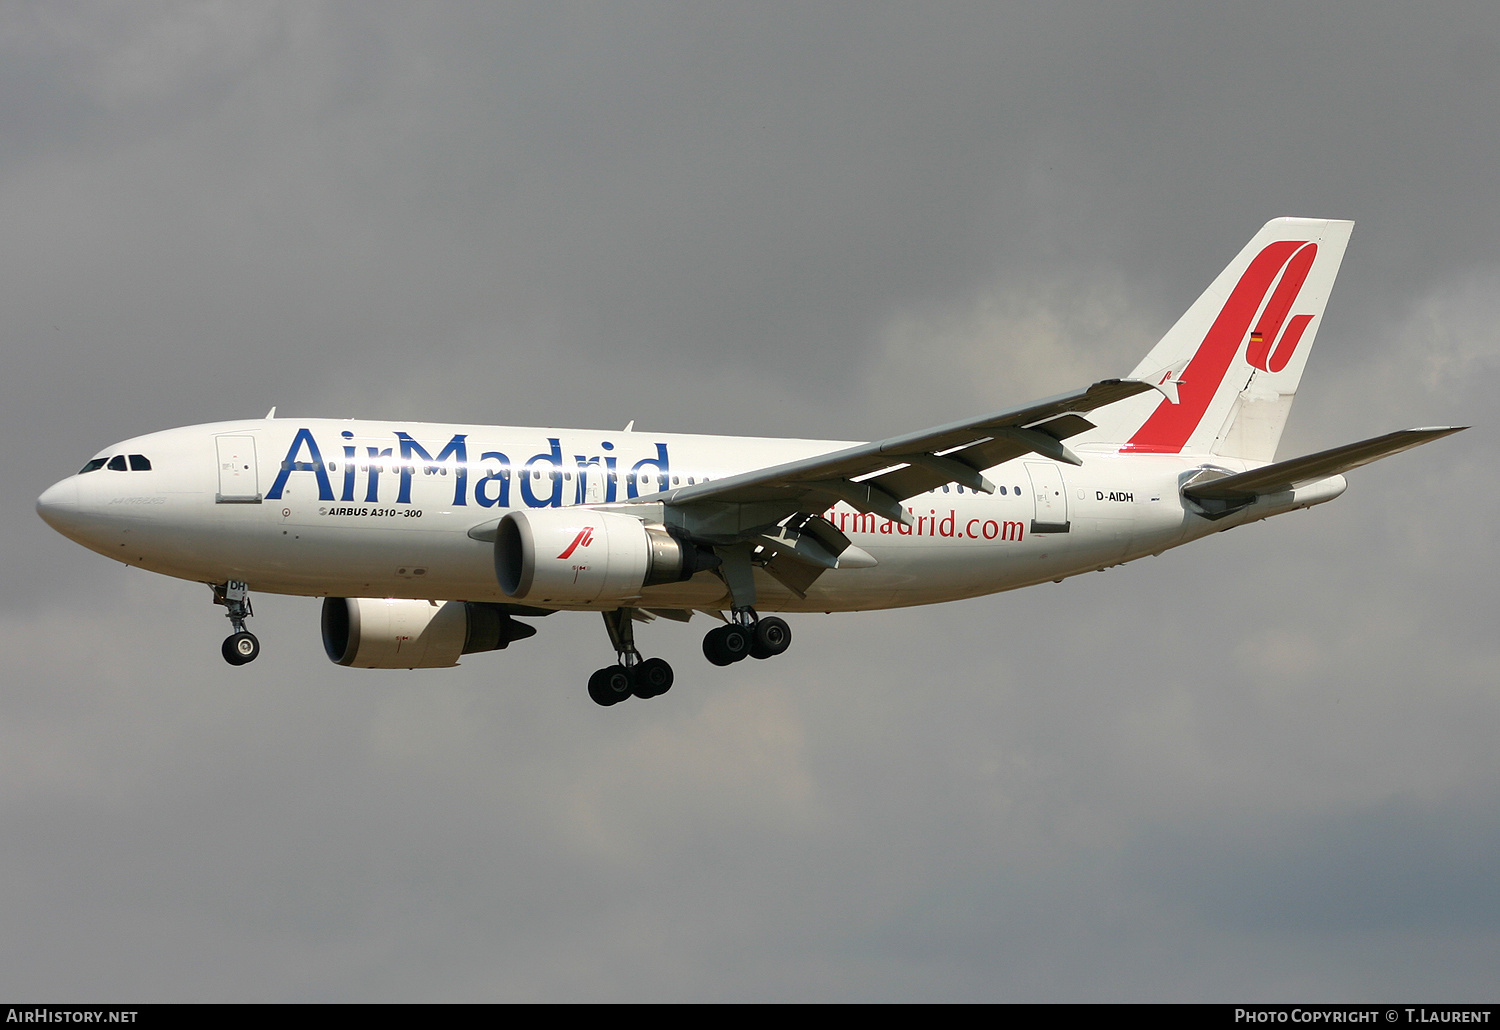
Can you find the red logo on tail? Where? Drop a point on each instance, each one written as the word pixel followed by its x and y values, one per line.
pixel 1260 355
pixel 583 539
pixel 1170 425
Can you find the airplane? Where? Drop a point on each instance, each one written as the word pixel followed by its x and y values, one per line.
pixel 428 542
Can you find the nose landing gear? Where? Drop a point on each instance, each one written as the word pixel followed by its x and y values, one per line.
pixel 240 647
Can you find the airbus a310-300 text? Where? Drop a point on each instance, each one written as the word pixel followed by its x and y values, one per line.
pixel 428 542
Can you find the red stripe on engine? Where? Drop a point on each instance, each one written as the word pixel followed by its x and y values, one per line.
pixel 584 538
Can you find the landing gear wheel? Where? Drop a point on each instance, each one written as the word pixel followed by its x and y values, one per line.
pixel 610 686
pixel 652 677
pixel 726 645
pixel 241 648
pixel 771 637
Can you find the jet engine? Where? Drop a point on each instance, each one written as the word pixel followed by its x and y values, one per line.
pixel 396 633
pixel 584 556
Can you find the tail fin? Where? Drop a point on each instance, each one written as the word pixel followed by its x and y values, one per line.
pixel 1237 354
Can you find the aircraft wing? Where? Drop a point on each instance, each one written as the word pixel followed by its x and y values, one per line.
pixel 1286 475
pixel 876 477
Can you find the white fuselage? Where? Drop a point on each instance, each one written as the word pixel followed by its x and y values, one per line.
pixel 380 509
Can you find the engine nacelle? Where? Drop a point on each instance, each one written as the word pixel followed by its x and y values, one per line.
pixel 584 556
pixel 396 633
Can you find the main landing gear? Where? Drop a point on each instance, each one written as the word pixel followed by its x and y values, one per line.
pixel 240 647
pixel 748 635
pixel 632 676
pixel 745 634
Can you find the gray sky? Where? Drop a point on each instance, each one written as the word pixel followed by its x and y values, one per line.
pixel 1259 768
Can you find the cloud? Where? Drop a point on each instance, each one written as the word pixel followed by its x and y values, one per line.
pixel 1011 342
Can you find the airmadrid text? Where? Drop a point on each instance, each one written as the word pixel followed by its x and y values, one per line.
pixel 363 474
pixel 947 524
pixel 359 477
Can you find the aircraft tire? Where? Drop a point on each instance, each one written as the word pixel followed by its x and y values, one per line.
pixel 653 677
pixel 240 648
pixel 711 649
pixel 726 644
pixel 610 685
pixel 772 637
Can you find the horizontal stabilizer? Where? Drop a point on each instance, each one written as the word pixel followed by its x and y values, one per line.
pixel 1286 475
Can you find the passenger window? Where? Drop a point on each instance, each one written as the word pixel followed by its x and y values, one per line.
pixel 117 463
pixel 140 463
pixel 94 465
pixel 1002 491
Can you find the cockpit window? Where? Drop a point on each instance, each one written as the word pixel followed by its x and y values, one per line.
pixel 137 463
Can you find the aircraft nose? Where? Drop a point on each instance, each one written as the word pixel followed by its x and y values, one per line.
pixel 58 505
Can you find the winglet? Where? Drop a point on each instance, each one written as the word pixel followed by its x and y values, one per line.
pixel 1165 380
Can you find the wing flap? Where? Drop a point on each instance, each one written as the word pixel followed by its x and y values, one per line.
pixel 876 477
